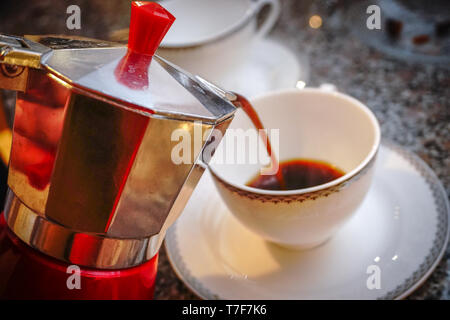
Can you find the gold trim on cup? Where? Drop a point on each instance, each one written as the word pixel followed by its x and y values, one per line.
pixel 300 197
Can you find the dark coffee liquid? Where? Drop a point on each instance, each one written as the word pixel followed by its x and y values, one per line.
pixel 298 174
pixel 293 174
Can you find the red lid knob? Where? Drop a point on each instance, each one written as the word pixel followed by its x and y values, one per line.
pixel 148 25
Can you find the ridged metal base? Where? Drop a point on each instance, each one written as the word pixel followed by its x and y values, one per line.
pixel 80 248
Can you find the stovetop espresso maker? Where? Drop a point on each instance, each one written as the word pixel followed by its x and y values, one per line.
pixel 92 182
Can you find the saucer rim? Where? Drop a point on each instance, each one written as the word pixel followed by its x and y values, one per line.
pixel 409 285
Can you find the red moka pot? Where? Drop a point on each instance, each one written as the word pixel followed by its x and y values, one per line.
pixel 93 185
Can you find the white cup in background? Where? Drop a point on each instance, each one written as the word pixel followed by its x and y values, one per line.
pixel 211 38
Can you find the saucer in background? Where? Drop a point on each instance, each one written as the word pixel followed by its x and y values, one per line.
pixel 269 66
pixel 400 232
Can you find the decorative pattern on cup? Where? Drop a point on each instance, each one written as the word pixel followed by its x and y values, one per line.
pixel 281 198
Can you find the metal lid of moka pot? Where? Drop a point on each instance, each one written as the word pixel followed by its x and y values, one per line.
pixel 132 75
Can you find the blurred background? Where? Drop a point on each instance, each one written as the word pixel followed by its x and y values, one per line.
pixel 400 71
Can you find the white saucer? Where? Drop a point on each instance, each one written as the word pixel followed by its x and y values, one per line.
pixel 269 66
pixel 402 228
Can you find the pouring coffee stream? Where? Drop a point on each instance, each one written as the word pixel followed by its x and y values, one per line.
pixel 246 106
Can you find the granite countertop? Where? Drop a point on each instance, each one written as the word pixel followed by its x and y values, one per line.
pixel 411 101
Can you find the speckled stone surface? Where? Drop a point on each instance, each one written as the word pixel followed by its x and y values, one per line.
pixel 410 101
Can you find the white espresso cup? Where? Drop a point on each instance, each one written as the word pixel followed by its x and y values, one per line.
pixel 211 38
pixel 313 124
